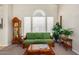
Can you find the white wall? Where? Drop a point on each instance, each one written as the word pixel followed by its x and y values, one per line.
pixel 27 10
pixel 6 32
pixel 10 30
pixel 70 19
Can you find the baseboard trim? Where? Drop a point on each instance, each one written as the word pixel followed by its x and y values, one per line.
pixel 4 45
pixel 75 51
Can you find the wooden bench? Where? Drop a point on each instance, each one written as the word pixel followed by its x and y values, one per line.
pixel 66 42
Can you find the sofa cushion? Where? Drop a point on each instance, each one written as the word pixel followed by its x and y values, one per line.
pixel 38 35
pixel 46 35
pixel 37 41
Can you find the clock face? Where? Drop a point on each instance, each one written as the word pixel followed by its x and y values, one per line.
pixel 16 25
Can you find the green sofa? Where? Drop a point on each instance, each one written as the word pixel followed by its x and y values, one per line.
pixel 38 38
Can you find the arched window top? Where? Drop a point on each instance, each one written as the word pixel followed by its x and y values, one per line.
pixel 39 13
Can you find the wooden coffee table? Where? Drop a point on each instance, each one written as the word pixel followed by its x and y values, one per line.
pixel 39 49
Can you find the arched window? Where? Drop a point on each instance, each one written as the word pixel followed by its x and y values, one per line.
pixel 38 21
pixel 39 13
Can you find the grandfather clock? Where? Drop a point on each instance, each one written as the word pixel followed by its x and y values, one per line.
pixel 16 24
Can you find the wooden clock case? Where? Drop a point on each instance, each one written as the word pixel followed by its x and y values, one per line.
pixel 16 24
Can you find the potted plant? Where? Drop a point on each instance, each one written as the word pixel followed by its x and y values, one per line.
pixel 56 31
pixel 67 32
